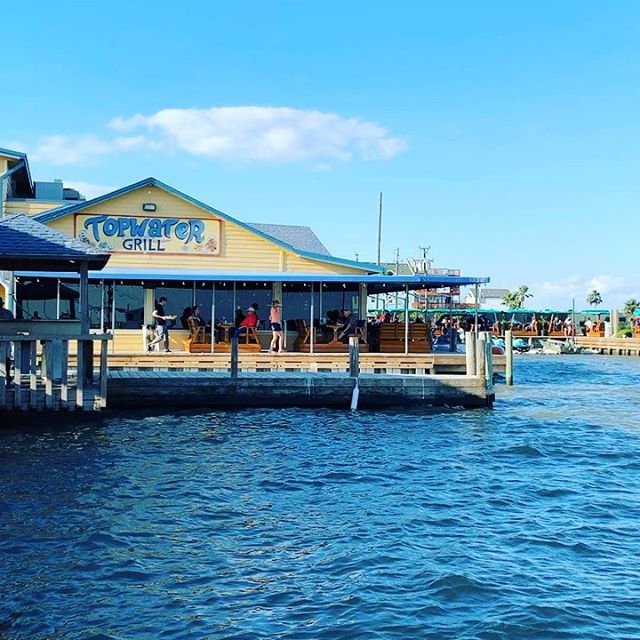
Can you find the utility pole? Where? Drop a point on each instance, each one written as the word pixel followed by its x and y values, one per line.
pixel 425 253
pixel 397 269
pixel 379 227
pixel 379 240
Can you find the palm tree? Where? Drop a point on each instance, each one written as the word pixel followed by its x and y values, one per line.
pixel 594 298
pixel 630 306
pixel 515 299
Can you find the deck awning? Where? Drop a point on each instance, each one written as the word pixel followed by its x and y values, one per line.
pixel 378 283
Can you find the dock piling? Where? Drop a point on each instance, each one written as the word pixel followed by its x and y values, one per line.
pixel 234 357
pixel 354 357
pixel 488 350
pixel 508 352
pixel 354 369
pixel 470 352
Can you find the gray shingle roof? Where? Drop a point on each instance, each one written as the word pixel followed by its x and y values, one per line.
pixel 23 239
pixel 297 236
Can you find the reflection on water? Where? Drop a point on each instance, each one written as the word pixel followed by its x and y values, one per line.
pixel 521 522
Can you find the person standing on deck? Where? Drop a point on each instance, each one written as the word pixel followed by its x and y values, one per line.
pixel 5 314
pixel 275 322
pixel 162 326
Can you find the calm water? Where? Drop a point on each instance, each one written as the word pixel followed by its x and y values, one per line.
pixel 522 522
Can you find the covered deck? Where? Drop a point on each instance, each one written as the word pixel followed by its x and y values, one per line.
pixel 122 300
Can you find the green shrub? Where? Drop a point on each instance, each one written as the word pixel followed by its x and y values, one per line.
pixel 624 330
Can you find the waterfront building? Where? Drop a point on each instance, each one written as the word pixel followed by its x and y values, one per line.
pixel 164 242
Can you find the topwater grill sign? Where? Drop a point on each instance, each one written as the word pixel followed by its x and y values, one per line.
pixel 149 234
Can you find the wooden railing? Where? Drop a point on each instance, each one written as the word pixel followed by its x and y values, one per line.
pixel 35 373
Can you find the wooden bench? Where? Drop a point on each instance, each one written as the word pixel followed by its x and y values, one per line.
pixel 392 337
pixel 200 342
pixel 597 330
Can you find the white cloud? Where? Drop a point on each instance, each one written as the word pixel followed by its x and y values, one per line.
pixel 88 189
pixel 62 150
pixel 250 133
pixel 559 294
pixel 267 134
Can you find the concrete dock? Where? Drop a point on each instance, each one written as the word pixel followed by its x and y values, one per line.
pixel 134 389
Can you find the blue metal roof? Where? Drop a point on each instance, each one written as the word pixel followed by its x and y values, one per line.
pixel 65 210
pixel 123 273
pixel 18 155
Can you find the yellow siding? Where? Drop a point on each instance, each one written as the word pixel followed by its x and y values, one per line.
pixel 241 250
pixel 296 264
pixel 31 207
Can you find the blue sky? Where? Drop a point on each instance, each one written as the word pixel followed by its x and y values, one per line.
pixel 504 135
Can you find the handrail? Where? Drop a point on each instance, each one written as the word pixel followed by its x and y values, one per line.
pixel 40 377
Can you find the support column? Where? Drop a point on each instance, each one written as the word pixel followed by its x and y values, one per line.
pixel 84 298
pixel 406 319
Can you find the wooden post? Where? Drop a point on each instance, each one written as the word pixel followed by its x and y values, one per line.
pixel 47 374
pixel 470 352
pixel 104 373
pixel 17 376
pixel 80 376
pixel 488 350
pixel 64 377
pixel 234 356
pixel 4 372
pixel 354 357
pixel 508 352
pixel 453 339
pixel 481 360
pixel 354 369
pixel 33 374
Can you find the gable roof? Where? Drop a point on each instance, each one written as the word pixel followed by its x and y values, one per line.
pixel 66 210
pixel 25 241
pixel 19 168
pixel 297 236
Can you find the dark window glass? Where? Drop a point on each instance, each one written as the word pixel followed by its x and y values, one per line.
pixel 37 297
pixel 129 312
pixel 204 292
pixel 337 299
pixel 224 302
pixel 179 301
pixel 250 293
pixel 69 299
pixel 95 305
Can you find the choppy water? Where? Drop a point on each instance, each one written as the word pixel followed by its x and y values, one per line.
pixel 521 522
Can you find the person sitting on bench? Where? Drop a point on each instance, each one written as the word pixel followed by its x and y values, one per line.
pixel 251 321
pixel 349 326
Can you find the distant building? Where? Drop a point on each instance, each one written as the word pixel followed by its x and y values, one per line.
pixel 487 298
pixel 442 297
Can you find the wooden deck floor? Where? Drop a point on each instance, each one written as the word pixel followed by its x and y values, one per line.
pixel 389 363
pixel 612 346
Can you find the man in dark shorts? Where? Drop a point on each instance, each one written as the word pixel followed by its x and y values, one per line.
pixel 162 325
pixel 275 321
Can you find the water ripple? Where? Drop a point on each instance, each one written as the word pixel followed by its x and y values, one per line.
pixel 519 522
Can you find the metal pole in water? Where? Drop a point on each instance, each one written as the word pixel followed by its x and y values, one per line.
pixel 508 352
pixel 234 356
pixel 354 369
